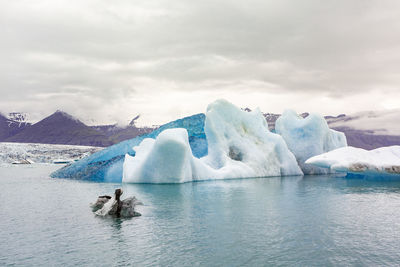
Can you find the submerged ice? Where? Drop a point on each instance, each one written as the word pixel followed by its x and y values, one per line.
pixel 307 137
pixel 239 146
pixel 384 160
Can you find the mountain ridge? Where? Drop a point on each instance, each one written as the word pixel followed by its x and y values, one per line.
pixel 60 128
pixel 63 128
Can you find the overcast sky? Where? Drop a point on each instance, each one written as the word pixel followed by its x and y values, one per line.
pixel 110 60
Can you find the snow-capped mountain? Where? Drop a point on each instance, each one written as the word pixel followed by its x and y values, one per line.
pixel 10 127
pixel 366 130
pixel 20 117
pixel 62 128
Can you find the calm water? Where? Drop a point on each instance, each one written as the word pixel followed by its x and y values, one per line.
pixel 293 221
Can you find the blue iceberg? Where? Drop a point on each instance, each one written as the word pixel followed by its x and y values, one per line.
pixel 107 164
pixel 239 146
pixel 307 137
pixel 224 143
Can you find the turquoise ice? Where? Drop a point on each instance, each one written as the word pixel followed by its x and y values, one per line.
pixel 106 165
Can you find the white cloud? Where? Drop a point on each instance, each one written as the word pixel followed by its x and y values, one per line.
pixel 167 59
pixel 380 122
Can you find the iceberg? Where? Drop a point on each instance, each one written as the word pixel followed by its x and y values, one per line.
pixel 380 161
pixel 107 164
pixel 239 146
pixel 166 158
pixel 238 139
pixel 307 137
pixel 224 143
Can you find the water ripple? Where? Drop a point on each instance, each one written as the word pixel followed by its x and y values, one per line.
pixel 310 221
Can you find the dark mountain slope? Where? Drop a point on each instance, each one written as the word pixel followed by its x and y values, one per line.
pixel 129 133
pixel 367 139
pixel 61 128
pixel 117 133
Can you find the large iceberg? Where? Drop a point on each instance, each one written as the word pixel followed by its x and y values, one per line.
pixel 241 140
pixel 384 160
pixel 307 137
pixel 239 146
pixel 107 164
pixel 227 142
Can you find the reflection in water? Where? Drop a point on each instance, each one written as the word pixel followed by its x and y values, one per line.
pixel 308 221
pixel 354 184
pixel 117 224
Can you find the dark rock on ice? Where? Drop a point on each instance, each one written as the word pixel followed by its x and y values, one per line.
pixel 115 207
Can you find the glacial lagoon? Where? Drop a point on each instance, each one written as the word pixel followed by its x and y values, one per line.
pixel 319 220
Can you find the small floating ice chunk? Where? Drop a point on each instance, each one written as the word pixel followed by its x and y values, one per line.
pixel 384 160
pixel 99 204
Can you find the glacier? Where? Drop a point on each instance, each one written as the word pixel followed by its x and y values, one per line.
pixel 42 153
pixel 380 161
pixel 307 137
pixel 107 164
pixel 239 146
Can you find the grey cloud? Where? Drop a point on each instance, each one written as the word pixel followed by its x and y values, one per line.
pixel 89 55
